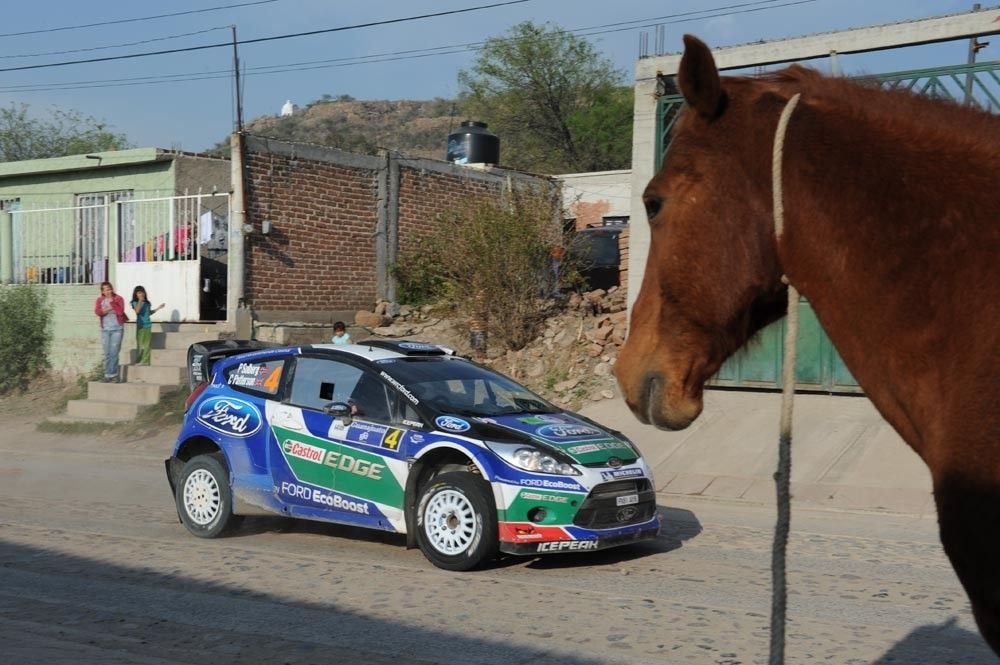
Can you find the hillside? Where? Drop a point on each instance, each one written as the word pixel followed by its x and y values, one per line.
pixel 413 128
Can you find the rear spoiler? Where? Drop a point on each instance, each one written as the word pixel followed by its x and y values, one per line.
pixel 202 355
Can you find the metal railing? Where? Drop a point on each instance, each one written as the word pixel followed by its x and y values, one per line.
pixel 74 244
pixel 169 228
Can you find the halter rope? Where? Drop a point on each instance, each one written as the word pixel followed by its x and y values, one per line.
pixel 779 593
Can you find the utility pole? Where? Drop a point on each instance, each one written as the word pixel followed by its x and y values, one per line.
pixel 238 316
pixel 974 46
pixel 236 74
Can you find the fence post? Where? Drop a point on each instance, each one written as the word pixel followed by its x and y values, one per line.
pixel 111 217
pixel 6 247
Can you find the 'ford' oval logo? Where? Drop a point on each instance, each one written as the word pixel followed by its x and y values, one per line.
pixel 230 416
pixel 567 431
pixel 625 514
pixel 452 423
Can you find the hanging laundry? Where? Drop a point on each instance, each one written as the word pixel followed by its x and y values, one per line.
pixel 205 228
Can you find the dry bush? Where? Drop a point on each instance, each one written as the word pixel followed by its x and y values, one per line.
pixel 489 262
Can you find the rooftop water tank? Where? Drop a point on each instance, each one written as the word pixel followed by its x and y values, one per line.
pixel 472 143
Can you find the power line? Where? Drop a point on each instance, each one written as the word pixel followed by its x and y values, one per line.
pixel 110 46
pixel 681 17
pixel 135 20
pixel 265 39
pixel 188 34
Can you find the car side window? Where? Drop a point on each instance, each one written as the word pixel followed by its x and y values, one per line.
pixel 261 377
pixel 319 381
pixel 371 399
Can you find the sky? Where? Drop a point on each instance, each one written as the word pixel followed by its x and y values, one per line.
pixel 185 100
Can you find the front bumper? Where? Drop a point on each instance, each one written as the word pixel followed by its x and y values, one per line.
pixel 588 545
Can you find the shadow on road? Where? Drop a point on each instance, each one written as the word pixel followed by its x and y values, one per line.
pixel 679 525
pixel 62 609
pixel 939 644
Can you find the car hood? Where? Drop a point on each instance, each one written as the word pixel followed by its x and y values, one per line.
pixel 581 440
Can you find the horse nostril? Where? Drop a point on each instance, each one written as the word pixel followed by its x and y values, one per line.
pixel 647 398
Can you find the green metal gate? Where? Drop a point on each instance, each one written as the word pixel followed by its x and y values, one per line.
pixel 819 367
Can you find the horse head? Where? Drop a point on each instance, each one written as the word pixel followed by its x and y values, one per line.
pixel 712 277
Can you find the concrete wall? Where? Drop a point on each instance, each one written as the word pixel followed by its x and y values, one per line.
pixel 200 173
pixel 590 197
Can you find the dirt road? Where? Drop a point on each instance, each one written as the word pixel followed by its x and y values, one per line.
pixel 95 568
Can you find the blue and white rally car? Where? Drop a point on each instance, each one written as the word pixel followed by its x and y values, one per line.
pixel 401 436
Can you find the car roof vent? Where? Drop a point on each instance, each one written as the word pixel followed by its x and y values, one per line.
pixel 409 347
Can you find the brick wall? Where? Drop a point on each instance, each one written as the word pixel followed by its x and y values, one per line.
pixel 589 213
pixel 339 219
pixel 423 195
pixel 320 253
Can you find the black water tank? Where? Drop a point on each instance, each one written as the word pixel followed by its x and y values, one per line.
pixel 472 143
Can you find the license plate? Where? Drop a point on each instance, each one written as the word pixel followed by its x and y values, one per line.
pixel 627 500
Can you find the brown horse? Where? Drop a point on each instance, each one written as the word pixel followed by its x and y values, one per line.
pixel 891 230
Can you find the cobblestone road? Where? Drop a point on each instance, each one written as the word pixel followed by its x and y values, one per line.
pixel 94 568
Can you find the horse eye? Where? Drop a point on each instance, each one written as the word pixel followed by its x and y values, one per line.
pixel 653 205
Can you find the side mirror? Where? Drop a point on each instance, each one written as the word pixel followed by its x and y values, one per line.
pixel 338 410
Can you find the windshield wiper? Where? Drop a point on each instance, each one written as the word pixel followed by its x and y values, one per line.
pixel 528 405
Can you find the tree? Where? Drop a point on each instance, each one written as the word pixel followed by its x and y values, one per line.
pixel 555 103
pixel 25 335
pixel 61 133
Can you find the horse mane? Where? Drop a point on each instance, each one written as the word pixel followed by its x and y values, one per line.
pixel 948 120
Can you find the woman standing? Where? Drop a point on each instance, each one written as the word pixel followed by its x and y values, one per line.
pixel 110 310
pixel 143 324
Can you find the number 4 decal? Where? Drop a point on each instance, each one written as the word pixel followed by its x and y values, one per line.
pixel 391 439
pixel 271 383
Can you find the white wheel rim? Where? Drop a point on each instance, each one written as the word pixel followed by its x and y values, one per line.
pixel 450 522
pixel 202 497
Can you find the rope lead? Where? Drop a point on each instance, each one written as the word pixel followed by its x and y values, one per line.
pixel 782 477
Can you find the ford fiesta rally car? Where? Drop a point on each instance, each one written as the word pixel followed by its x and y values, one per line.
pixel 405 437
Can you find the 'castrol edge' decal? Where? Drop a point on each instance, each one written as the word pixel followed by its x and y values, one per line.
pixel 230 416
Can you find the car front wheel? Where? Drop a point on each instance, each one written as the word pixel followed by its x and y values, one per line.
pixel 457 521
pixel 204 499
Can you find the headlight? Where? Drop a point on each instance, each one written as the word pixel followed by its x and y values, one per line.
pixel 531 459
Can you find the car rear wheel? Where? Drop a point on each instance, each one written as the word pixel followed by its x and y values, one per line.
pixel 457 521
pixel 204 499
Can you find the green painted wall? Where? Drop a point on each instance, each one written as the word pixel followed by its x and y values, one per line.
pixel 148 173
pixel 38 185
pixel 76 344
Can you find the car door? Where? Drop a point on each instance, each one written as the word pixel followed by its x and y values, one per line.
pixel 300 454
pixel 329 466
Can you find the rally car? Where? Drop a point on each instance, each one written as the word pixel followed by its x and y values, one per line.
pixel 402 436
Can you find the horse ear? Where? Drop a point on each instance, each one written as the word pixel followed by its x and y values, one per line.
pixel 698 78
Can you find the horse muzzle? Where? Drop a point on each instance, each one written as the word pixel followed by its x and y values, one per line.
pixel 659 403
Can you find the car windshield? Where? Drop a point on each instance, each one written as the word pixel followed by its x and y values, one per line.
pixel 456 386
